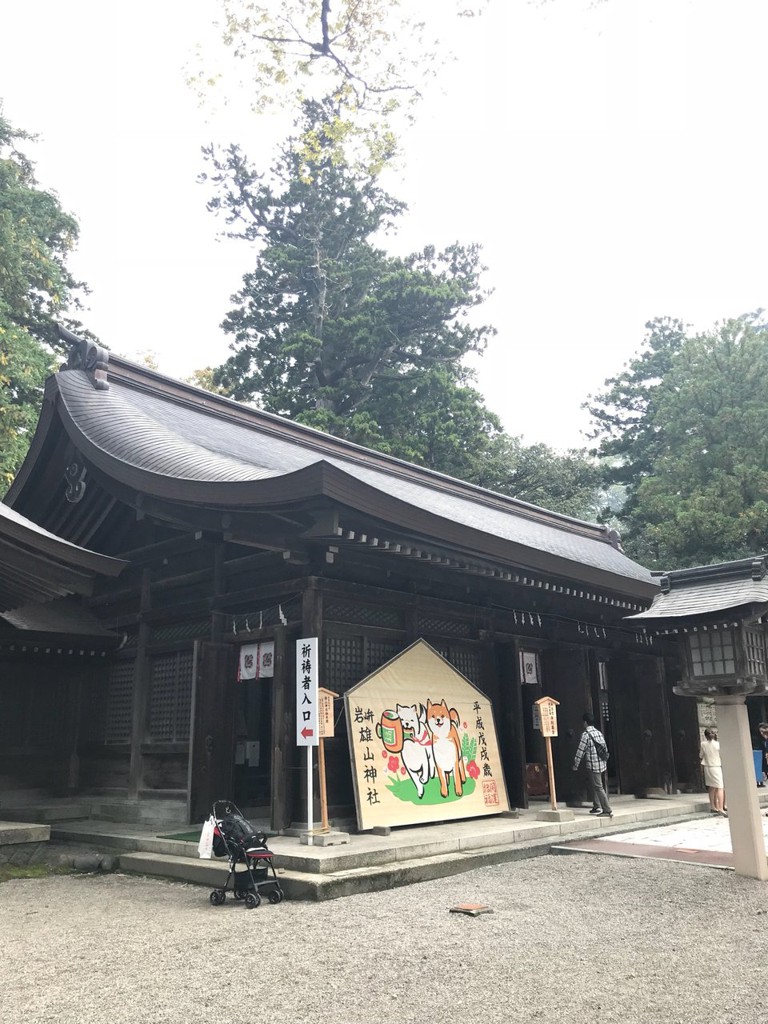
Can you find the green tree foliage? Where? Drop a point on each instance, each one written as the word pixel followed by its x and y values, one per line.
pixel 698 492
pixel 36 236
pixel 624 414
pixel 331 330
pixel 24 365
pixel 373 54
pixel 569 483
pixel 328 328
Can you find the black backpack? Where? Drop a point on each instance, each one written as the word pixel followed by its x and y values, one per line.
pixel 600 748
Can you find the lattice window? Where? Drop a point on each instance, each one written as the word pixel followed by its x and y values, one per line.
pixel 182 631
pixel 712 653
pixel 443 627
pixel 344 662
pixel 363 614
pixel 754 640
pixel 170 698
pixel 379 652
pixel 466 661
pixel 119 714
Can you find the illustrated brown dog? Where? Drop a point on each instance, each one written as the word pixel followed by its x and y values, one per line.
pixel 446 746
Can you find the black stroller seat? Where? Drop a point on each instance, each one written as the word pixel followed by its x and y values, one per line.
pixel 251 863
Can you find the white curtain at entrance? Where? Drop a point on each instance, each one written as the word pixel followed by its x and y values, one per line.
pixel 257 661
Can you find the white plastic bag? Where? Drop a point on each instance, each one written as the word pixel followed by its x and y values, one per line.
pixel 205 846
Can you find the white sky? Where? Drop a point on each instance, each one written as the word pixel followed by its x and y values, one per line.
pixel 609 157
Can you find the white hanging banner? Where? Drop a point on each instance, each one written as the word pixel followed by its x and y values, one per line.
pixel 529 668
pixel 266 660
pixel 257 661
pixel 248 667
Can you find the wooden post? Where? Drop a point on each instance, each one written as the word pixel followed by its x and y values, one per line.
pixel 326 726
pixel 142 689
pixel 547 708
pixel 551 773
pixel 321 780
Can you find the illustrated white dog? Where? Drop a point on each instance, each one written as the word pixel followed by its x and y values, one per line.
pixel 417 745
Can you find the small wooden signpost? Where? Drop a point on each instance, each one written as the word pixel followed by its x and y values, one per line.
pixel 547 707
pixel 326 723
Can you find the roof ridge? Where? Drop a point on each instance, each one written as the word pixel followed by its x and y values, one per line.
pixel 140 377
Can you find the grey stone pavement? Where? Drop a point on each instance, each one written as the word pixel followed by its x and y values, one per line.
pixel 571 938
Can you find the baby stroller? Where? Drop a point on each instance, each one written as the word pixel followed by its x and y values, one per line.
pixel 250 862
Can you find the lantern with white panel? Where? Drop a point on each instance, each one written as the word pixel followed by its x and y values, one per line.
pixel 718 614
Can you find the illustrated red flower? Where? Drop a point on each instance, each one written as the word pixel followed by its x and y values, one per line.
pixel 473 770
pixel 384 753
pixel 402 770
pixel 394 764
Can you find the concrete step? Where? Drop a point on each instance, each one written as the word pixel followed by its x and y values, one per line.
pixel 306 885
pixel 330 873
pixel 370 862
pixel 13 833
pixel 125 841
pixel 165 814
pixel 45 813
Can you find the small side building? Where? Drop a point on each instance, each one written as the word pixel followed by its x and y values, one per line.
pixel 52 648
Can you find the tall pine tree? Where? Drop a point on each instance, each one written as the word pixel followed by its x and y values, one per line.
pixel 329 328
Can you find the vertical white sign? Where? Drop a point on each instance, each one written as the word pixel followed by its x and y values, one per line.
pixel 307 673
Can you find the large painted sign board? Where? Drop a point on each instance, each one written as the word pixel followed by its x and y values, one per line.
pixel 422 744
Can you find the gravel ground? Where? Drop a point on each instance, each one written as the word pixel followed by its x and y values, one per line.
pixel 577 938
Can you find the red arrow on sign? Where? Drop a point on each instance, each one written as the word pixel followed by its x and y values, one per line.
pixel 307 732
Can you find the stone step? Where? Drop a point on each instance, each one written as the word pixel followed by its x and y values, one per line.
pixel 127 842
pixel 314 886
pixel 13 833
pixel 167 815
pixel 45 813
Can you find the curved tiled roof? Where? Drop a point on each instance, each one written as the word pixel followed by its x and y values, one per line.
pixel 36 565
pixel 172 440
pixel 704 590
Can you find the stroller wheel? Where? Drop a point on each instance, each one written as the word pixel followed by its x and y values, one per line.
pixel 252 899
pixel 217 897
pixel 276 896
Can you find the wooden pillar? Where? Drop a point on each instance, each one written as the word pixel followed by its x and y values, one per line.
pixel 566 678
pixel 671 780
pixel 70 780
pixel 141 689
pixel 312 612
pixel 283 739
pixel 510 723
pixel 218 619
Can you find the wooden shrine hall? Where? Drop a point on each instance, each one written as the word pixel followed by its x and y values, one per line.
pixel 229 527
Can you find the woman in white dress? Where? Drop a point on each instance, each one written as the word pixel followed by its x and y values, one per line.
pixel 713 772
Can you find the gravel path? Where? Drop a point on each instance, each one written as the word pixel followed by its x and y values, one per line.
pixel 578 938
